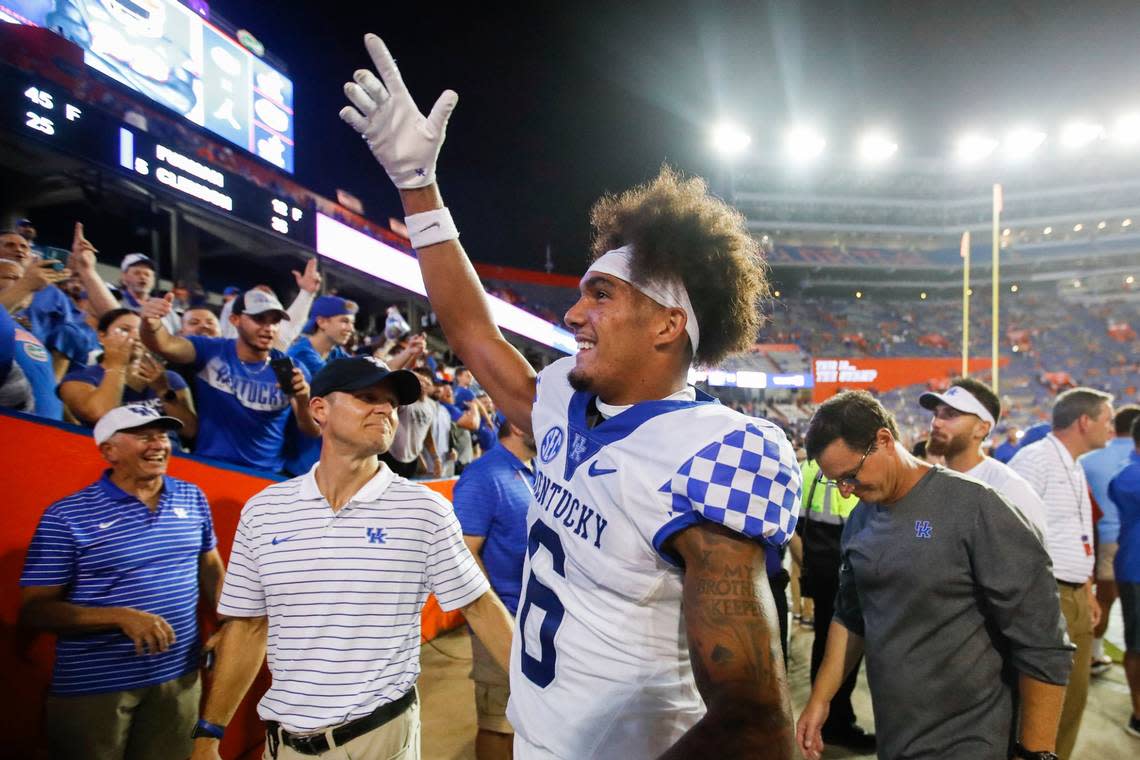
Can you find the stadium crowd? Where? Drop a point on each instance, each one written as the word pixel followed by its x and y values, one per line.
pixel 236 376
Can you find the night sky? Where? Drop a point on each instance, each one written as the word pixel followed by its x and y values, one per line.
pixel 560 102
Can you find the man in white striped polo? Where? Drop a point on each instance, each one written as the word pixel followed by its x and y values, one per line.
pixel 330 572
pixel 1082 422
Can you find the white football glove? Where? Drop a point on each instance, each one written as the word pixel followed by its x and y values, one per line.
pixel 403 141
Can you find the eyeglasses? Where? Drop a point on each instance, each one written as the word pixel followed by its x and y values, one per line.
pixel 848 483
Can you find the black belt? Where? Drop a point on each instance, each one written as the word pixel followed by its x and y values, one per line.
pixel 1069 584
pixel 315 744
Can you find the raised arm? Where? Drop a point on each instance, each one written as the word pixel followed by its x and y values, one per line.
pixel 407 144
pixel 174 348
pixel 734 645
pixel 82 262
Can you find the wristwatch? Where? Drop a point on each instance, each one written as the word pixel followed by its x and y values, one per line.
pixel 1020 751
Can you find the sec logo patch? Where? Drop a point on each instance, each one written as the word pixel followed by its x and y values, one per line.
pixel 551 445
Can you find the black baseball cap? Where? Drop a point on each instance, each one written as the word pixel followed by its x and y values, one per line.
pixel 361 372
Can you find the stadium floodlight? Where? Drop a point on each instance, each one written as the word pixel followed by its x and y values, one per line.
pixel 1076 283
pixel 1126 223
pixel 804 144
pixel 876 147
pixel 1078 227
pixel 922 295
pixel 1129 280
pixel 1021 142
pixel 972 148
pixel 1047 231
pixel 1013 288
pixel 1101 224
pixel 730 140
pixel 858 293
pixel 1079 134
pixel 1006 232
pixel 1126 131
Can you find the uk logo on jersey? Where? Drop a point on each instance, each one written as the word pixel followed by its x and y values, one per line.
pixel 375 535
pixel 923 529
pixel 551 444
pixel 578 448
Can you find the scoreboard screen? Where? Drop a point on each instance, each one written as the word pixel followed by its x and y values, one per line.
pixel 43 112
pixel 164 51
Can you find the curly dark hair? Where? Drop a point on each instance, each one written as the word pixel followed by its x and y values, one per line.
pixel 678 230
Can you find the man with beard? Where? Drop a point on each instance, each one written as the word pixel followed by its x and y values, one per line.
pixel 491 501
pixel 964 417
pixel 242 410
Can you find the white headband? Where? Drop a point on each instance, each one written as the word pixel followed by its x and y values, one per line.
pixel 668 293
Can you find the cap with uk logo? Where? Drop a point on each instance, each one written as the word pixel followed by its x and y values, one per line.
pixel 130 417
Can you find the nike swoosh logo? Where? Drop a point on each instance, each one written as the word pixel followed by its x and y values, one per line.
pixel 109 523
pixel 282 539
pixel 595 471
pixel 430 226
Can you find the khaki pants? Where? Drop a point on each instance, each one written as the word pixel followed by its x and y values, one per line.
pixel 139 724
pixel 398 739
pixel 492 690
pixel 1078 619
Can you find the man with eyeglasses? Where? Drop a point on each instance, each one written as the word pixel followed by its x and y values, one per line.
pixel 948 593
pixel 964 417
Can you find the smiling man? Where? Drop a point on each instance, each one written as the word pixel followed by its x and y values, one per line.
pixel 947 591
pixel 116 570
pixel 337 565
pixel 242 409
pixel 647 626
pixel 964 417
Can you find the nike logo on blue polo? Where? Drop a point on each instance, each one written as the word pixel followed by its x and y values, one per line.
pixel 595 471
pixel 282 539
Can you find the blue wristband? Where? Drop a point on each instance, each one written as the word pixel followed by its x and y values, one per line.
pixel 206 728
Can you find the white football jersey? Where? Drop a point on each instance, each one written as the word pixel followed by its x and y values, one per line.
pixel 600 662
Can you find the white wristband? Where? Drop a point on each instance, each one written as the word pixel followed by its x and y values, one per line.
pixel 430 227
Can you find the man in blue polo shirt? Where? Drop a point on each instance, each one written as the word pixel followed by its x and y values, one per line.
pixel 242 410
pixel 491 501
pixel 332 321
pixel 116 570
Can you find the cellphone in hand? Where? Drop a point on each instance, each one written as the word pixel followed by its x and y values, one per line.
pixel 283 368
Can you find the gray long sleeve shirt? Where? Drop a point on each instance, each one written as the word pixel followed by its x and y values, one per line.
pixel 954 596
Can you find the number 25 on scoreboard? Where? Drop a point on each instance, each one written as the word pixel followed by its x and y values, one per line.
pixel 540 670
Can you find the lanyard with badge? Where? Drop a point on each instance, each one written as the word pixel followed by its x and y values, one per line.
pixel 1077 494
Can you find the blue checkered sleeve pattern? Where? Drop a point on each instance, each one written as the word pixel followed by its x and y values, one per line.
pixel 747 482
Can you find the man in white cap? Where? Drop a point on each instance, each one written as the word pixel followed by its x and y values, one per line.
pixel 125 681
pixel 137 280
pixel 647 492
pixel 964 417
pixel 242 407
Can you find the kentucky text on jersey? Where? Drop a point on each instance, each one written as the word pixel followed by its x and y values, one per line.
pixel 254 394
pixel 585 521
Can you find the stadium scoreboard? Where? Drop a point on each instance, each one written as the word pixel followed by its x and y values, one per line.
pixel 46 113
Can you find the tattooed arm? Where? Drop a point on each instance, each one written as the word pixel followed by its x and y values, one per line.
pixel 734 645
